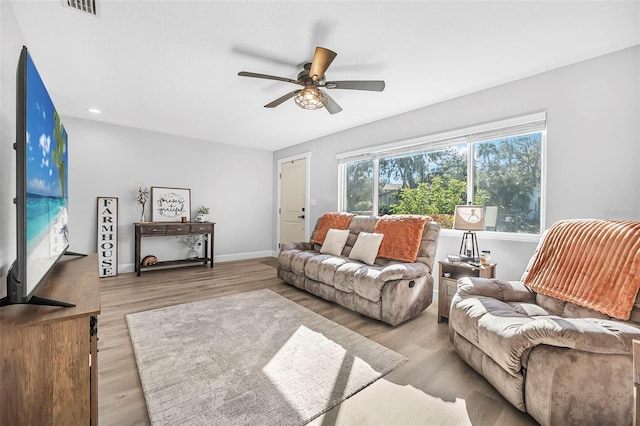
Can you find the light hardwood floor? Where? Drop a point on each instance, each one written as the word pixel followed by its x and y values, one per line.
pixel 435 387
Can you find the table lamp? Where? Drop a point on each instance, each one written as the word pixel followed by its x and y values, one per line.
pixel 469 218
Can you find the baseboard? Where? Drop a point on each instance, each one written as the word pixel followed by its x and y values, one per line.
pixel 129 267
pixel 245 256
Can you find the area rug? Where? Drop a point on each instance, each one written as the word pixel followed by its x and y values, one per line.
pixel 252 358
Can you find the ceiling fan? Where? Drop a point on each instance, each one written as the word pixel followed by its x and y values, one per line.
pixel 312 79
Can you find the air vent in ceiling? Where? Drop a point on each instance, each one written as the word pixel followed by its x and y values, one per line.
pixel 86 6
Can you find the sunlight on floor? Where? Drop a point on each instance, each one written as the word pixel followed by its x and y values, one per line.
pixel 307 368
pixel 386 403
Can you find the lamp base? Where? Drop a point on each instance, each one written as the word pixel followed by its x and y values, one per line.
pixel 469 251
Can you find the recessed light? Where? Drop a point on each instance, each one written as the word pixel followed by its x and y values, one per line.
pixel 94 110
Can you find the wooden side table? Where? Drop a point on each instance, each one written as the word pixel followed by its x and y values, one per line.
pixel 450 273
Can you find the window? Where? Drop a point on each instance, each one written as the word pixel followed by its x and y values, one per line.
pixel 507 181
pixel 359 184
pixel 498 166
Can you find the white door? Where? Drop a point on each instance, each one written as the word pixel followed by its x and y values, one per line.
pixel 293 184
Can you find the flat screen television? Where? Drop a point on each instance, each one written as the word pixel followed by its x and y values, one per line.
pixel 42 195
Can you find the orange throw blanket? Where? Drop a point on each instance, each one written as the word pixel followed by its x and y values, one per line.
pixel 402 236
pixel 330 221
pixel 592 263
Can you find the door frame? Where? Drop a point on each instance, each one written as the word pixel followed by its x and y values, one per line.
pixel 306 156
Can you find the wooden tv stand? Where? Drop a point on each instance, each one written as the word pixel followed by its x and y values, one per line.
pixel 49 355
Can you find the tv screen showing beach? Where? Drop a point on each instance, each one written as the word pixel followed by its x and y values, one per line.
pixel 46 181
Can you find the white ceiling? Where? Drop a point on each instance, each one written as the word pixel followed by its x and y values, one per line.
pixel 171 66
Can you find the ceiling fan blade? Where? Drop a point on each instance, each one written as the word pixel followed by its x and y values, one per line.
pixel 322 58
pixel 331 105
pixel 266 76
pixel 261 55
pixel 370 85
pixel 281 99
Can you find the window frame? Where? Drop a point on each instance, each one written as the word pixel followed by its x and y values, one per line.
pixel 531 123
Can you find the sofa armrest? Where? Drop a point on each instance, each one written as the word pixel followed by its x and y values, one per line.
pixel 584 334
pixel 303 246
pixel 403 271
pixel 506 291
pixel 505 335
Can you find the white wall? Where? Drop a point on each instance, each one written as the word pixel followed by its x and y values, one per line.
pixel 110 160
pixel 593 149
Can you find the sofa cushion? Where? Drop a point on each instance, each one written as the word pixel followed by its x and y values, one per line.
pixel 357 225
pixel 334 241
pixel 286 257
pixel 354 277
pixel 367 283
pixel 366 247
pixel 528 309
pixel 299 260
pixel 343 278
pixel 362 224
pixel 322 267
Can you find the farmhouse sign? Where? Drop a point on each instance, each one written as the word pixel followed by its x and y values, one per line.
pixel 107 236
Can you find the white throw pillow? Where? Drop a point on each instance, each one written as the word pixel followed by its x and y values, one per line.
pixel 366 247
pixel 334 241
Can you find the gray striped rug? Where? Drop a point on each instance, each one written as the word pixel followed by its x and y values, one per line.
pixel 253 358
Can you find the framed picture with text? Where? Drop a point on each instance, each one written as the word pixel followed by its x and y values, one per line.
pixel 170 204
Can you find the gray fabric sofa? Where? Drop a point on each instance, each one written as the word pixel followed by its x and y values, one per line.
pixel 389 290
pixel 558 361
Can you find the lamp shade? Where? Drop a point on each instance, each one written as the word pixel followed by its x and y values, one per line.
pixel 469 218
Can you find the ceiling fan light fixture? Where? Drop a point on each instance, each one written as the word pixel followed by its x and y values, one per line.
pixel 312 78
pixel 310 98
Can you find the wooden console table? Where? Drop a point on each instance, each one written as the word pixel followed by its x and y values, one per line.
pixel 169 229
pixel 49 355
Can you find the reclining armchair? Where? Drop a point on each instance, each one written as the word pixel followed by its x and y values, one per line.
pixel 558 343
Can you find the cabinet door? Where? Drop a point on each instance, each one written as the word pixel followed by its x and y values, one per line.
pixel 450 287
pixel 30 392
pixel 93 377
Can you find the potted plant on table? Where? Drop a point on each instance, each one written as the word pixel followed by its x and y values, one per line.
pixel 192 241
pixel 203 214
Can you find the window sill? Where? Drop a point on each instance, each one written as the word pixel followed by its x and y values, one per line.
pixel 492 235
